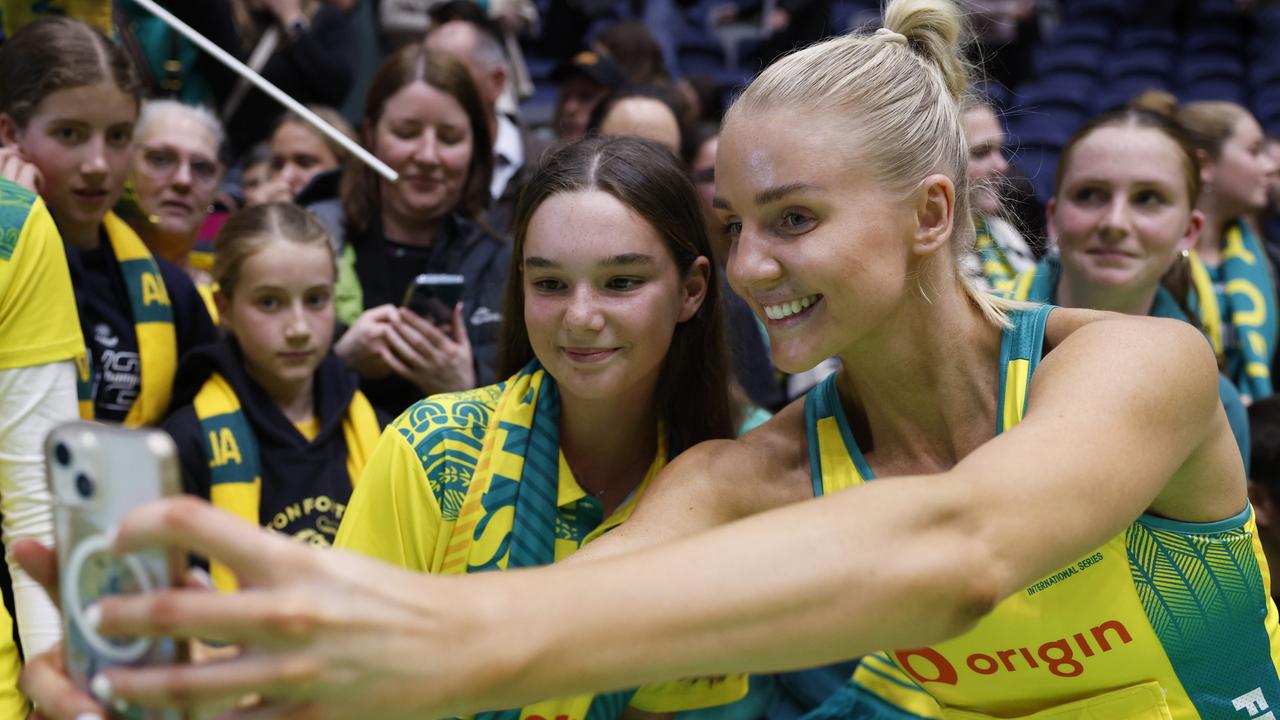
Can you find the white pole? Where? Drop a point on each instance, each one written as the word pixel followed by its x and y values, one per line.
pixel 280 96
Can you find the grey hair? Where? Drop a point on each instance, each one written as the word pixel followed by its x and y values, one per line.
pixel 902 101
pixel 155 110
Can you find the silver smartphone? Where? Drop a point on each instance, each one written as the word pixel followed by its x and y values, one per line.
pixel 97 474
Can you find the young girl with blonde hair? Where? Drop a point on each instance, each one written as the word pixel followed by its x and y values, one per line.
pixel 270 424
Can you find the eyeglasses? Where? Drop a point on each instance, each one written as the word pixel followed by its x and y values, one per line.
pixel 166 160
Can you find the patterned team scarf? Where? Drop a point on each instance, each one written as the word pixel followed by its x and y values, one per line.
pixel 235 468
pixel 996 267
pixel 152 324
pixel 1239 316
pixel 519 468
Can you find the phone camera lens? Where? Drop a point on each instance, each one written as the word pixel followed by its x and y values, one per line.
pixel 62 454
pixel 84 486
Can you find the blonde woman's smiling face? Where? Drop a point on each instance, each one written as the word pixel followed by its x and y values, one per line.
pixel 818 247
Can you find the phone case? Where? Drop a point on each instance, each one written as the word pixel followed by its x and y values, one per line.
pixel 97 474
pixel 433 296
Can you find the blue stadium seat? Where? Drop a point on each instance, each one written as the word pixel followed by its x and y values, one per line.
pixel 1266 106
pixel 1263 75
pixel 1147 38
pixel 1041 130
pixel 1105 10
pixel 1077 33
pixel 697 59
pixel 1220 40
pixel 1213 90
pixel 995 93
pixel 1038 164
pixel 1151 65
pixel 1053 99
pixel 1119 94
pixel 1073 58
pixel 1204 68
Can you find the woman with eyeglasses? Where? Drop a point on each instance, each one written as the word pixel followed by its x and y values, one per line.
pixel 68 106
pixel 175 178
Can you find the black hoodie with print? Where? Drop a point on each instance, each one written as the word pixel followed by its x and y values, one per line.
pixel 305 484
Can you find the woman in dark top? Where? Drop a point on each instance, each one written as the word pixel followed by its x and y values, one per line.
pixel 424 118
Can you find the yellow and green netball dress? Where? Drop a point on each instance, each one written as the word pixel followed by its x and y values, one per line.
pixel 475 481
pixel 1166 620
pixel 1040 285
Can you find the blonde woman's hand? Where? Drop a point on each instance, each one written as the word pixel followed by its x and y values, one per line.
pixel 325 634
pixel 433 358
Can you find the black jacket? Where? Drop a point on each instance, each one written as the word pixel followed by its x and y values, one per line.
pixel 385 270
pixel 305 485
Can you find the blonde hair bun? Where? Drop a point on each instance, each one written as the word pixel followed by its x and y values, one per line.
pixel 933 29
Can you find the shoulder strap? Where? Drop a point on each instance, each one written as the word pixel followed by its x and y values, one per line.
pixel 1021 345
pixel 835 462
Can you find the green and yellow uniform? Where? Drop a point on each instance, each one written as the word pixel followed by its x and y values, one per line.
pixel 1040 285
pixel 1168 619
pixel 475 481
pixel 38 326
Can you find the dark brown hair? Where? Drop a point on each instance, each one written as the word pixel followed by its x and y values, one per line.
pixel 250 230
pixel 58 53
pixel 693 389
pixel 361 196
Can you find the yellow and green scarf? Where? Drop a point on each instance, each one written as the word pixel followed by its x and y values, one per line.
pixel 235 469
pixel 1239 316
pixel 519 468
pixel 152 323
pixel 996 267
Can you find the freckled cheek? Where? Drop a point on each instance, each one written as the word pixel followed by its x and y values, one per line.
pixel 541 319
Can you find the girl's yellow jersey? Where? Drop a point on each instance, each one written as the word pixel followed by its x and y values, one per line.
pixel 1166 620
pixel 440 495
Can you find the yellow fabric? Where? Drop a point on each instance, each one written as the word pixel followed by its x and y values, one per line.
pixel 1082 642
pixel 217 397
pixel 38 319
pixel 360 431
pixel 1210 315
pixel 206 291
pixel 21 12
pixel 436 521
pixel 157 341
pixel 309 428
pixel 38 325
pixel 233 444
